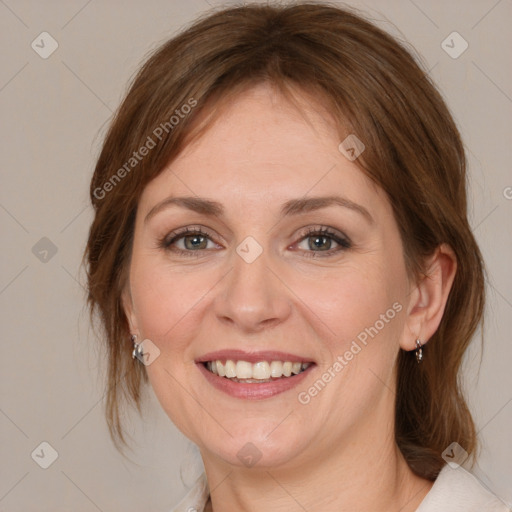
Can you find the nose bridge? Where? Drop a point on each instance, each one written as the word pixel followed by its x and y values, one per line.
pixel 252 296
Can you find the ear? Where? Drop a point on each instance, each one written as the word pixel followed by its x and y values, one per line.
pixel 126 300
pixel 428 297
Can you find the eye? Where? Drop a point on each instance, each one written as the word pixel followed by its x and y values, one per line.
pixel 187 241
pixel 193 241
pixel 321 240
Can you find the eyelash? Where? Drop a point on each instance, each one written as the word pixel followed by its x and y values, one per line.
pixel 322 231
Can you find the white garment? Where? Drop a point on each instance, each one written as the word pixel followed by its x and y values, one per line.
pixel 455 490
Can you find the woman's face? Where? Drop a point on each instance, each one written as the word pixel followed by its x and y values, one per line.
pixel 274 276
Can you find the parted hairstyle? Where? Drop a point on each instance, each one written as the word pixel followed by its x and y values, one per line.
pixel 374 88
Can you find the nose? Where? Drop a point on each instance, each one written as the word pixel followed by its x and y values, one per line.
pixel 252 298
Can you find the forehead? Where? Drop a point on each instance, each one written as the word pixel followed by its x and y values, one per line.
pixel 263 149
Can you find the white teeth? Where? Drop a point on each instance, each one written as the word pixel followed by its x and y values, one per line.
pixel 276 369
pixel 243 370
pixel 287 368
pixel 220 369
pixel 296 368
pixel 230 369
pixel 260 371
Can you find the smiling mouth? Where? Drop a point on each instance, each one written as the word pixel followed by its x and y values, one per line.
pixel 255 373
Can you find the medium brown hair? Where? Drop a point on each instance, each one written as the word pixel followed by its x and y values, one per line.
pixel 375 89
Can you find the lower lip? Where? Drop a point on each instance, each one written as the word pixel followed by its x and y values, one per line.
pixel 254 391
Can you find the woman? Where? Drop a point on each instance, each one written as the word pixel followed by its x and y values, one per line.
pixel 281 238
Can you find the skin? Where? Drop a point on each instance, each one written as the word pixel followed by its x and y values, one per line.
pixel 338 451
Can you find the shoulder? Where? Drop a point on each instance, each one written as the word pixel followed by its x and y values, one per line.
pixel 196 498
pixel 457 490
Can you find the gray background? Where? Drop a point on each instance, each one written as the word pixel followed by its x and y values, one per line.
pixel 54 113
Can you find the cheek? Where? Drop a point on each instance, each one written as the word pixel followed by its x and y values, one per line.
pixel 354 298
pixel 164 299
pixel 167 305
pixel 364 306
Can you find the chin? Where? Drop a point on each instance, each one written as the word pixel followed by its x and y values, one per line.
pixel 257 448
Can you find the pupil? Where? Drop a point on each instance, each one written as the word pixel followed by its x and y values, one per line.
pixel 319 244
pixel 194 240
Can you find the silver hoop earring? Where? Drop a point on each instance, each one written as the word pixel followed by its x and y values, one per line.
pixel 419 351
pixel 137 348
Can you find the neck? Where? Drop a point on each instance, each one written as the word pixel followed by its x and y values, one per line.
pixel 363 477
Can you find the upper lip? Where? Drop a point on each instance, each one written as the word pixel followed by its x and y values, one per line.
pixel 252 357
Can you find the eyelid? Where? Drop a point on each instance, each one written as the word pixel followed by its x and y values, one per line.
pixel 181 232
pixel 337 236
pixel 325 230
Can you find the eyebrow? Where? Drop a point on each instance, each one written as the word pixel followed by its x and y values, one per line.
pixel 212 208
